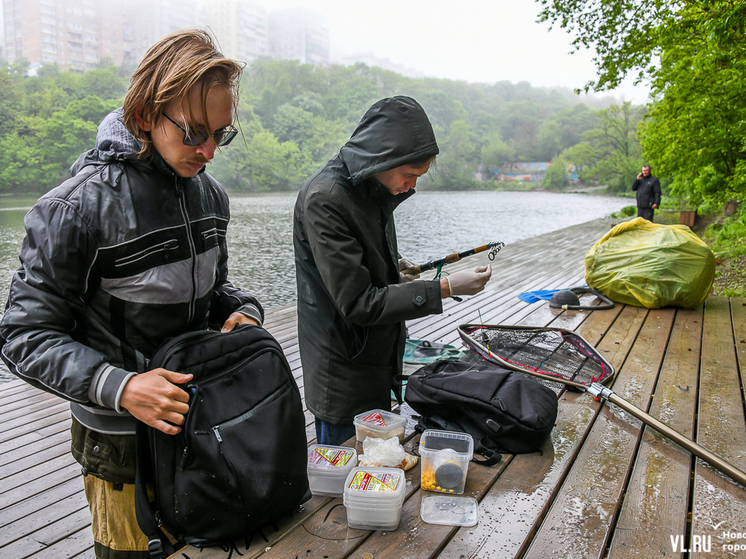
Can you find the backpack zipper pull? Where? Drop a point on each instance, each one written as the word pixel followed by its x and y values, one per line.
pixel 184 456
pixel 216 430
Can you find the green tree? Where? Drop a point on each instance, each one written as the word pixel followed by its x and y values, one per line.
pixel 496 153
pixel 555 177
pixel 456 165
pixel 693 54
pixel 261 162
pixel 610 153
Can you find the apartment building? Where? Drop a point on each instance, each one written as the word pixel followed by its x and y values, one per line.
pixel 76 34
pixel 240 27
pixel 299 34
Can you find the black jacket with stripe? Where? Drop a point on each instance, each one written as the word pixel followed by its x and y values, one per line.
pixel 116 260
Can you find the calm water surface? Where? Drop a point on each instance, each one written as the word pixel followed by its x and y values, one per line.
pixel 429 225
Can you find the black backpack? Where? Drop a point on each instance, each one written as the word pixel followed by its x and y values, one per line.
pixel 502 410
pixel 240 460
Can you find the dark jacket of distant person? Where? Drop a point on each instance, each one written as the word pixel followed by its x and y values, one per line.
pixel 351 306
pixel 648 191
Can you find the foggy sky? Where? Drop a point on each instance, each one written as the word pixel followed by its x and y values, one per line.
pixel 473 40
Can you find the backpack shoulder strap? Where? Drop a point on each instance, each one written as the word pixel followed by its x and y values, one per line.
pixel 159 545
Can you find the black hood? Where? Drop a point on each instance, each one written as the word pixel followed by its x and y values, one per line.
pixel 393 132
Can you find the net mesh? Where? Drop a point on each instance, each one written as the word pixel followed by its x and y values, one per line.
pixel 560 354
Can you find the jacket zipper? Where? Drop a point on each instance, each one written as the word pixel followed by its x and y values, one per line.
pixel 192 247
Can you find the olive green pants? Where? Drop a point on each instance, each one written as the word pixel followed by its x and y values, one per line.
pixel 109 478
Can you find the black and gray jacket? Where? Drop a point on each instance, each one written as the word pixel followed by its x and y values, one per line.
pixel 116 260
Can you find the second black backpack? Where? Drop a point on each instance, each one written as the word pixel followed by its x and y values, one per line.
pixel 502 410
pixel 240 460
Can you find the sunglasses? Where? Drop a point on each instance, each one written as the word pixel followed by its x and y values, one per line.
pixel 196 137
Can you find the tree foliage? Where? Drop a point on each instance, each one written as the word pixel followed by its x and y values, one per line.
pixel 693 54
pixel 610 153
pixel 293 117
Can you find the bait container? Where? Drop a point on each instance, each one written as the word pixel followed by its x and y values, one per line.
pixel 380 424
pixel 445 460
pixel 328 467
pixel 373 498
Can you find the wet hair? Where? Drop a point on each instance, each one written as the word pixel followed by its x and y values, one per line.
pixel 167 74
pixel 429 162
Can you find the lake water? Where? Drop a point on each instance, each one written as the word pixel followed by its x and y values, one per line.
pixel 429 225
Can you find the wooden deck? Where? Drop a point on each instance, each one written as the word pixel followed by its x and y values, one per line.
pixel 603 486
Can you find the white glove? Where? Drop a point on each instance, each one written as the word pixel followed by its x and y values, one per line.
pixel 403 265
pixel 469 282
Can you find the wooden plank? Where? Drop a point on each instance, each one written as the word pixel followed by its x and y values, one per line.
pixel 34 522
pixel 37 470
pixel 656 501
pixel 48 536
pixel 35 486
pixel 23 401
pixel 527 487
pixel 326 533
pixel 430 537
pixel 38 504
pixel 78 545
pixel 24 447
pixel 22 467
pixel 35 436
pixel 719 504
pixel 738 312
pixel 34 421
pixel 583 512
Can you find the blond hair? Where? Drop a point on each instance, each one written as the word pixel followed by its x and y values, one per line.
pixel 168 72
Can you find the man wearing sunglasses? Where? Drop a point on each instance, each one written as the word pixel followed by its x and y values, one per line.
pixel 127 253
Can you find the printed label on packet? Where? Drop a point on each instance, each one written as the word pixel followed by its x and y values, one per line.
pixel 332 456
pixel 374 418
pixel 363 481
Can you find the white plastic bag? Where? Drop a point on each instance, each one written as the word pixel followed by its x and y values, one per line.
pixel 386 453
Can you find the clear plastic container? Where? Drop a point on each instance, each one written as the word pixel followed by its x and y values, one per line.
pixel 445 460
pixel 373 498
pixel 328 467
pixel 379 423
pixel 449 510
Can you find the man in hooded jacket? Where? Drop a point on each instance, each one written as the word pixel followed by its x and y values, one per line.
pixel 352 300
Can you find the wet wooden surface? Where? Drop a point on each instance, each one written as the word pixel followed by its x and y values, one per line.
pixel 604 485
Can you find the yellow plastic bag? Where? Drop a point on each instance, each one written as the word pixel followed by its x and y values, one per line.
pixel 651 265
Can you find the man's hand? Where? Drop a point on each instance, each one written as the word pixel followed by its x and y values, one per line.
pixel 403 265
pixel 466 282
pixel 235 319
pixel 655 206
pixel 155 399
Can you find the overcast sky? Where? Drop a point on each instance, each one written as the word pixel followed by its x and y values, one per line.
pixel 472 40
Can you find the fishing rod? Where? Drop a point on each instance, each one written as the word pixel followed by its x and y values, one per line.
pixel 494 248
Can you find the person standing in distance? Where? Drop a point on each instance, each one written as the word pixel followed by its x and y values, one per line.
pixel 352 299
pixel 648 190
pixel 127 253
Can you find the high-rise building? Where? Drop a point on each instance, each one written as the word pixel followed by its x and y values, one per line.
pixel 240 27
pixel 146 21
pixel 74 34
pixel 2 34
pixel 77 34
pixel 299 34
